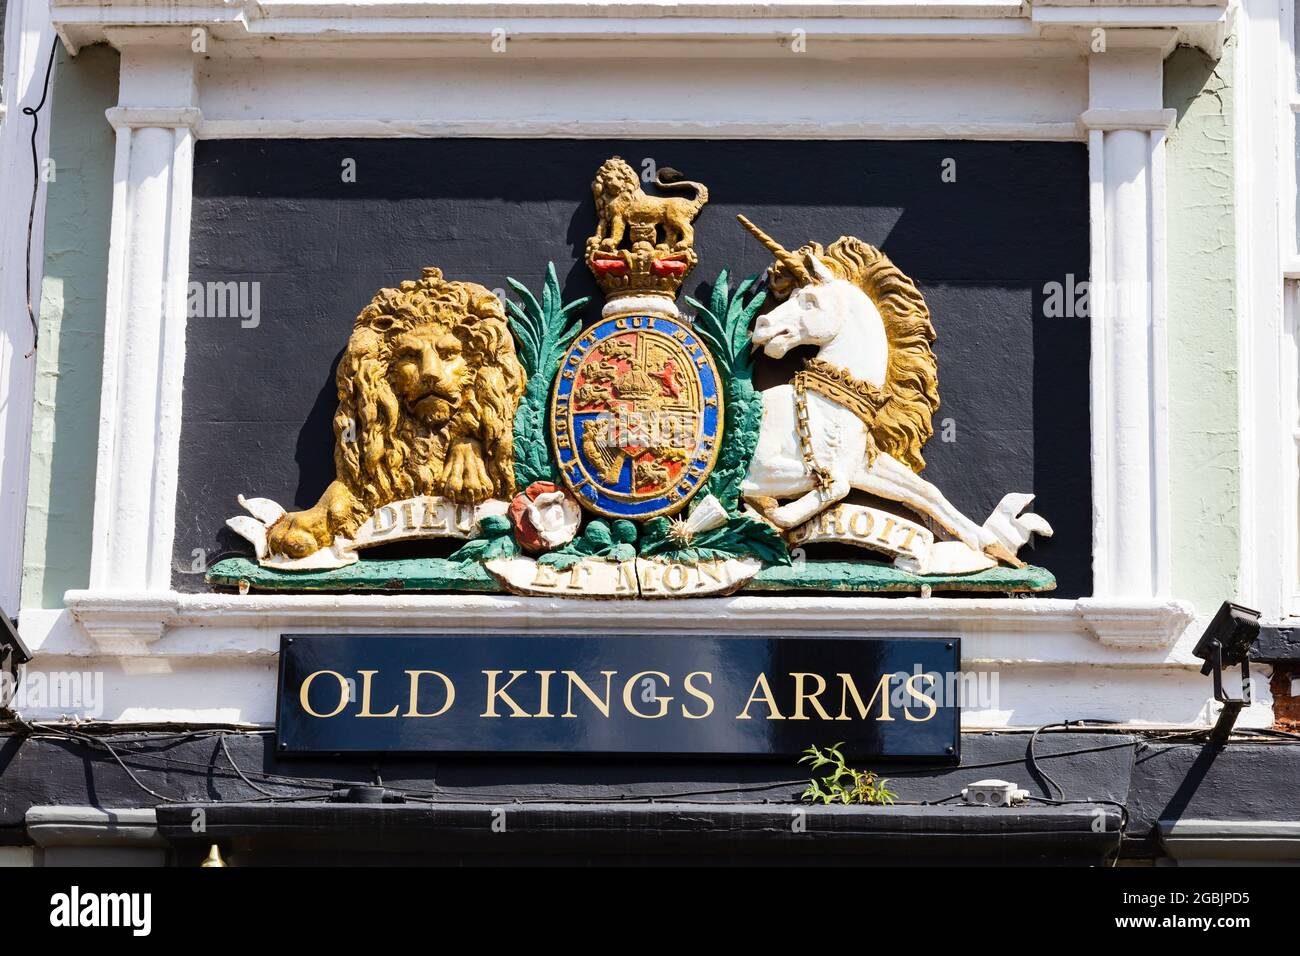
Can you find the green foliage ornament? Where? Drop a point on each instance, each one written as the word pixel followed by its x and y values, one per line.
pixel 495 540
pixel 543 330
pixel 724 325
pixel 741 537
pixel 616 542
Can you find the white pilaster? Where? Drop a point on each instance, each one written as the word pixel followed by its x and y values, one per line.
pixel 1264 148
pixel 1126 125
pixel 144 334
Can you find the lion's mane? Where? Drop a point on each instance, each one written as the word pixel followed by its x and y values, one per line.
pixel 384 454
pixel 625 180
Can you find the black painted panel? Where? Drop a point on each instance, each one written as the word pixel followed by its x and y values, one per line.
pixel 258 401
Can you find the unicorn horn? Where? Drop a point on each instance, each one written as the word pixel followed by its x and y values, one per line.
pixel 783 255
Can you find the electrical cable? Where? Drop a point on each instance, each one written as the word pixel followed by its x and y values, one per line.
pixel 1267 732
pixel 943 800
pixel 1031 760
pixel 101 742
pixel 33 112
pixel 231 760
pixel 57 734
pixel 427 796
pixel 904 772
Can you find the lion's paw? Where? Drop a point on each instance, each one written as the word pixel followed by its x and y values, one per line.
pixel 464 477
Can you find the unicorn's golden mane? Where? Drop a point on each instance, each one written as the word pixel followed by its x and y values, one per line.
pixel 903 425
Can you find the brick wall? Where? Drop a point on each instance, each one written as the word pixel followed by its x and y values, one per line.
pixel 1285 686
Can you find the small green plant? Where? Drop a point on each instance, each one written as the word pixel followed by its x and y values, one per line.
pixel 841 783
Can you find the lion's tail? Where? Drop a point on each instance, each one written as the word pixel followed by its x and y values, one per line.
pixel 670 179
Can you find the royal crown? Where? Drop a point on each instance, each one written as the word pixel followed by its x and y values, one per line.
pixel 643 244
pixel 637 386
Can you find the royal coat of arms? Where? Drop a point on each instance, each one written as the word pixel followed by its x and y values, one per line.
pixel 630 455
pixel 637 416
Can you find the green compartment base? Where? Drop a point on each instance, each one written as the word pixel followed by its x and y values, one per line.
pixel 439 574
pixel 406 574
pixel 851 576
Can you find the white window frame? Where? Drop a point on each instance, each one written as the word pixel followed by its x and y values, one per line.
pixel 1289 400
pixel 1268 285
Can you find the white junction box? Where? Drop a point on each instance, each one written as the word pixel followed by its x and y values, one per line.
pixel 994 793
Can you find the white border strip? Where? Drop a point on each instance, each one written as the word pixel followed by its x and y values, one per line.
pixel 127 623
pixel 549 128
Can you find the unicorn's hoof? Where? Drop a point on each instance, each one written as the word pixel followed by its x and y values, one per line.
pixel 783 522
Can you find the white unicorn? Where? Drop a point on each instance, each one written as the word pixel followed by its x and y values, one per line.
pixel 859 413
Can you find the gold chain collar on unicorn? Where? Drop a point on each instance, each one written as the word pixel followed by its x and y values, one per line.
pixel 834 383
pixel 830 381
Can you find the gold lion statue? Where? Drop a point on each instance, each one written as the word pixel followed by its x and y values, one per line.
pixel 428 388
pixel 624 209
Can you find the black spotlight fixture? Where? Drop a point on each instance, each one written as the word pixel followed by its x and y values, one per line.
pixel 1227 642
pixel 13 655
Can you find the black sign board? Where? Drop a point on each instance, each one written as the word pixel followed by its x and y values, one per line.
pixel 679 694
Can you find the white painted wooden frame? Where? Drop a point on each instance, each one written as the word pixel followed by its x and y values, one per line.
pixel 871 70
pixel 1273 462
pixel 1284 451
pixel 1267 342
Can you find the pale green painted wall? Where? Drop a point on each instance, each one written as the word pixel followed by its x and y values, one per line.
pixel 78 212
pixel 1204 452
